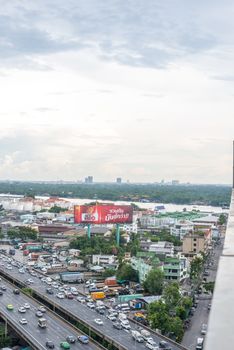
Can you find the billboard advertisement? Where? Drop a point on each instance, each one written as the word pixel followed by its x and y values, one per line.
pixel 103 214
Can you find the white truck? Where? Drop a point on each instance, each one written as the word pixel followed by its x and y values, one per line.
pixel 122 316
pixel 125 324
pixel 42 322
pixel 145 334
pixel 137 336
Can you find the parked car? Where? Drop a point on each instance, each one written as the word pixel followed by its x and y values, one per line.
pixel 203 328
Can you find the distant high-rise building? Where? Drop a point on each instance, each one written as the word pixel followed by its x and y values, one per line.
pixel 118 180
pixel 175 182
pixel 89 180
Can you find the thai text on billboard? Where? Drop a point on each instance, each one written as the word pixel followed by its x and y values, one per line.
pixel 103 214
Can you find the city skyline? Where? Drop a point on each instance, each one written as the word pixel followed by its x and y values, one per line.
pixel 140 90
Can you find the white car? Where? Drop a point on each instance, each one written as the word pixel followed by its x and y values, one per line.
pixel 111 317
pixel 26 306
pixel 22 309
pixel 204 329
pixel 91 305
pixel 74 292
pixel 60 295
pixel 81 299
pixel 98 321
pixel 152 346
pixel 21 271
pixel 23 321
pixel 61 289
pixel 9 267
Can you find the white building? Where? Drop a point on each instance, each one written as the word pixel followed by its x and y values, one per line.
pixel 165 248
pixel 181 228
pixel 103 259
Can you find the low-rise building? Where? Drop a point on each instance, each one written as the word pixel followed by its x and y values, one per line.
pixel 175 268
pixel 143 263
pixel 181 228
pixel 195 243
pixel 162 248
pixel 103 260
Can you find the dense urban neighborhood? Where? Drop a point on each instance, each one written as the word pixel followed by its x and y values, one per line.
pixel 147 284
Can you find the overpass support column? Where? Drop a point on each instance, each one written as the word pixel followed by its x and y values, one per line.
pixel 6 328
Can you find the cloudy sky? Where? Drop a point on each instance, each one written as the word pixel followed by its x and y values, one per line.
pixel 142 89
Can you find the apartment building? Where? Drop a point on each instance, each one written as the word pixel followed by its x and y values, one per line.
pixel 194 243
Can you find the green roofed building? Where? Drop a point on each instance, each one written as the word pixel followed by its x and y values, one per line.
pixel 175 268
pixel 144 262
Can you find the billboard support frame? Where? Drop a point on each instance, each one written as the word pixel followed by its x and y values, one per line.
pixel 117 234
pixel 89 231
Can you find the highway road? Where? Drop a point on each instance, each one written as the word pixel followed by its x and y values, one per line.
pixel 56 331
pixel 84 313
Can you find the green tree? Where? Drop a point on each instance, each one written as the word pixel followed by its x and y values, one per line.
pixel 222 219
pixel 181 312
pixel 22 232
pixel 56 209
pixel 196 266
pixel 108 273
pixel 154 282
pixel 171 295
pixel 126 272
pixel 187 303
pixel 158 316
pixel 27 291
pixel 209 286
pixel 176 328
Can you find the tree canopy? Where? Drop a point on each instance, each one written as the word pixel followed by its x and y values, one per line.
pixel 154 282
pixel 22 232
pixel 126 272
pixel 182 194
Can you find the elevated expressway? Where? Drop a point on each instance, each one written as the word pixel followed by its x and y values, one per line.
pixel 83 317
pixel 57 330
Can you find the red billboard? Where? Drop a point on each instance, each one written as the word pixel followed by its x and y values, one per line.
pixel 103 214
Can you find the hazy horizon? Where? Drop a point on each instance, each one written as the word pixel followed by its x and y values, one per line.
pixel 136 89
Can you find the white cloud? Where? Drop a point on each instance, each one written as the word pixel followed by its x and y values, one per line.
pixel 130 88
